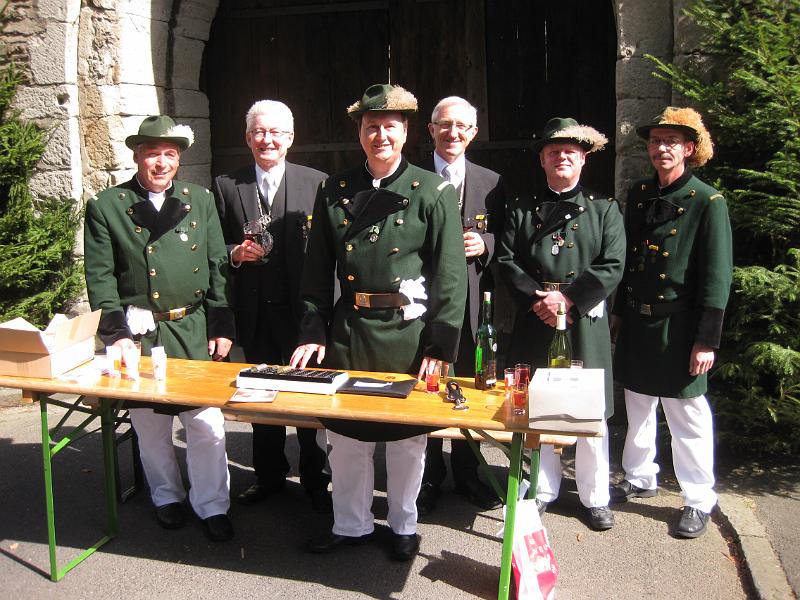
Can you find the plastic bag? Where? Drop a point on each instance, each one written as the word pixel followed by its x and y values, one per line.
pixel 534 565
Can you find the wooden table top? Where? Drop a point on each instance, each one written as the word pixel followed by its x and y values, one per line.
pixel 207 383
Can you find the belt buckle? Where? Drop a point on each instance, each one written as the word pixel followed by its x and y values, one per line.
pixel 362 300
pixel 549 286
pixel 646 309
pixel 177 313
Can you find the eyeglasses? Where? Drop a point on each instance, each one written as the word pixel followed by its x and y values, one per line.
pixel 447 125
pixel 260 134
pixel 668 143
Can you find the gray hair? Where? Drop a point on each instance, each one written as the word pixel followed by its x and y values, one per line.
pixel 277 110
pixel 455 101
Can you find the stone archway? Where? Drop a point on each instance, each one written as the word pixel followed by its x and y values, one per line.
pixel 98 66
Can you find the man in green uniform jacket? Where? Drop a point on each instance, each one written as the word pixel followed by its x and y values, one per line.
pixel 392 232
pixel 567 245
pixel 669 312
pixel 156 264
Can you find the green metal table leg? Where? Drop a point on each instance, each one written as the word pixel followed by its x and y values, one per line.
pixel 107 423
pixel 49 450
pixel 47 462
pixel 511 512
pixel 534 473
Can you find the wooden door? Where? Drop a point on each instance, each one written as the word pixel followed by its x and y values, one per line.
pixel 519 61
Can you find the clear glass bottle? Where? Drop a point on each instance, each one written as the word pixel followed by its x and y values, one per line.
pixel 559 355
pixel 486 348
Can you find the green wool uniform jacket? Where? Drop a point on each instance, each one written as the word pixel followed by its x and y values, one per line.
pixel 590 261
pixel 374 239
pixel 172 258
pixel 678 269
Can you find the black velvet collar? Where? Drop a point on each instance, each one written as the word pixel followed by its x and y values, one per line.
pixel 146 216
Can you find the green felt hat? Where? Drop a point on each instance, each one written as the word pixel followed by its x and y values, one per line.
pixel 560 130
pixel 161 129
pixel 384 97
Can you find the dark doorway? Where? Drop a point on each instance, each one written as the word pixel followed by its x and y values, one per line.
pixel 519 62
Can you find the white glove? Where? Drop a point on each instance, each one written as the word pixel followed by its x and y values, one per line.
pixel 140 320
pixel 413 289
pixel 597 311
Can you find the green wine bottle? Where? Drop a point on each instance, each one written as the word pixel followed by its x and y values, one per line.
pixel 559 356
pixel 486 348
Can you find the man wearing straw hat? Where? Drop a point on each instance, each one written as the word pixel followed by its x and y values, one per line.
pixel 566 246
pixel 392 233
pixel 156 264
pixel 668 314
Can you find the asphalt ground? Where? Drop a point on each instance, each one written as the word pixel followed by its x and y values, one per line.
pixel 459 555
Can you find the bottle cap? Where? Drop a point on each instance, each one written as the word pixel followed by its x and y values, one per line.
pixel 487 296
pixel 562 308
pixel 158 351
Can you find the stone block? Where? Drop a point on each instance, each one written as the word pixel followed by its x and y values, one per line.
pixel 635 80
pixel 55 184
pixel 99 101
pixel 644 27
pixel 137 99
pixel 108 4
pixel 200 152
pixel 59 152
pixel 198 173
pixel 142 51
pixel 630 115
pixel 190 103
pixel 199 9
pixel 98 48
pixel 53 55
pixel 47 102
pixel 193 28
pixel 188 56
pixel 688 34
pixel 158 10
pixel 59 10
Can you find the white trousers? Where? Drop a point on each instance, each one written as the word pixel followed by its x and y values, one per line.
pixel 692 429
pixel 591 471
pixel 206 460
pixel 353 476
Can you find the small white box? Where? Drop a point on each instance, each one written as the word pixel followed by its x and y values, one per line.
pixel 567 400
pixel 66 343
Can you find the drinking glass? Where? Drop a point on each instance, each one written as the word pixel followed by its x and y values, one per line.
pixel 522 377
pixel 576 364
pixel 508 379
pixel 256 232
pixel 432 376
pixel 468 223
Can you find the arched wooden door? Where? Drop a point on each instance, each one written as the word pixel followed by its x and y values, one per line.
pixel 519 61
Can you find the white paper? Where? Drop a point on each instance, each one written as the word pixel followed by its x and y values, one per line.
pixel 369 384
pixel 253 395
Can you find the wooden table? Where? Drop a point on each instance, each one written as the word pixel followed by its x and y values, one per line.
pixel 211 384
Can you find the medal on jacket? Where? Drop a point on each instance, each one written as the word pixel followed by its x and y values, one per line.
pixel 373 233
pixel 182 234
pixel 558 241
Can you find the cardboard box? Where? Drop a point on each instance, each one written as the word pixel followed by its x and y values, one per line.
pixel 568 400
pixel 66 343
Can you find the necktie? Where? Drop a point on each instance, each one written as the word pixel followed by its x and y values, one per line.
pixel 447 174
pixel 272 187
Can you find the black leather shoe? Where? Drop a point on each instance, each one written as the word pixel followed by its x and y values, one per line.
pixel 320 500
pixel 405 547
pixel 479 494
pixel 171 516
pixel 258 492
pixel 427 497
pixel 332 542
pixel 541 506
pixel 693 522
pixel 218 528
pixel 600 518
pixel 625 490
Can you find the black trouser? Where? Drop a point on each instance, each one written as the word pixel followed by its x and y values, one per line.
pixel 274 341
pixel 462 459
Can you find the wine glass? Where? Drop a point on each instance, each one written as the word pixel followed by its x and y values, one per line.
pixel 256 232
pixel 468 223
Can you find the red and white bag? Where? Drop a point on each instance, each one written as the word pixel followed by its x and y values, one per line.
pixel 532 559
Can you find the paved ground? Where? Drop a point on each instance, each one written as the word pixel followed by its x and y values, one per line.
pixel 459 556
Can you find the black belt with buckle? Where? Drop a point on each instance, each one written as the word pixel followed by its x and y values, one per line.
pixel 389 300
pixel 175 314
pixel 659 310
pixel 554 286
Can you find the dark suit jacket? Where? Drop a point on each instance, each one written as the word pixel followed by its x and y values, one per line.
pixel 237 202
pixel 484 194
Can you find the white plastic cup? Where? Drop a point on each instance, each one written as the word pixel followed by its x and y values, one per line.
pixel 159 358
pixel 114 361
pixel 131 355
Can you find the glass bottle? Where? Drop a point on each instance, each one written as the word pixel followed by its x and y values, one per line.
pixel 559 355
pixel 486 348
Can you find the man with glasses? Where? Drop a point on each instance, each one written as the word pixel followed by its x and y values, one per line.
pixel 668 314
pixel 280 194
pixel 566 246
pixel 481 201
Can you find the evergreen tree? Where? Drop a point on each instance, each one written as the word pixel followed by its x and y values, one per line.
pixel 39 274
pixel 752 106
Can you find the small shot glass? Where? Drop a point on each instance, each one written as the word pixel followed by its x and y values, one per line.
pixel 576 364
pixel 432 376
